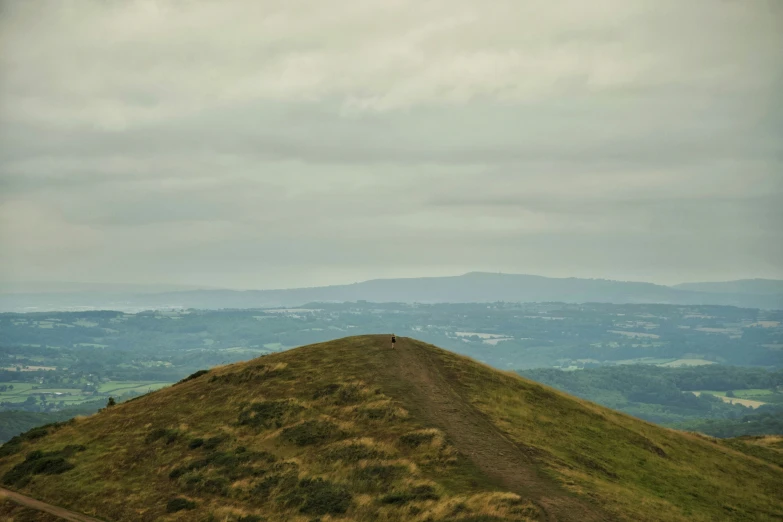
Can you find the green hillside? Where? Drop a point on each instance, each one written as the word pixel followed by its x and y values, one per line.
pixel 352 430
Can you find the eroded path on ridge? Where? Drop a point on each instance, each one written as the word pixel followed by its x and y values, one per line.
pixel 46 508
pixel 476 437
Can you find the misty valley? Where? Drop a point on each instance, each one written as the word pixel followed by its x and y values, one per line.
pixel 712 369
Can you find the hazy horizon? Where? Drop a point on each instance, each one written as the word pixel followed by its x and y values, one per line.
pixel 267 144
pixel 4 285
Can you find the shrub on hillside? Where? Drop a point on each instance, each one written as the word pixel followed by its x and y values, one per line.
pixel 481 518
pixel 278 481
pixel 353 452
pixel 37 463
pixel 341 394
pixel 232 465
pixel 193 376
pixel 417 493
pixel 385 411
pixel 169 435
pixel 349 394
pixel 311 432
pixel 179 504
pixel 212 485
pixel 72 449
pixel 318 497
pixel 414 440
pixel 378 476
pixel 213 442
pixel 329 389
pixel 269 414
pixel 14 445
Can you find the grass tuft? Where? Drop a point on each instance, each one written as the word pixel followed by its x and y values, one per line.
pixel 352 452
pixel 168 435
pixel 179 504
pixel 269 414
pixel 318 497
pixel 416 493
pixel 416 439
pixel 311 433
pixel 192 376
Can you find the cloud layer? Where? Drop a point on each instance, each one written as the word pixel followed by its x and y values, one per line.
pixel 271 143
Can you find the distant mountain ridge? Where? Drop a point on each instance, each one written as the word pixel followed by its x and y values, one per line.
pixel 470 287
pixel 69 287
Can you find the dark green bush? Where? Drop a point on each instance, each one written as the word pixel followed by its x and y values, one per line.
pixel 227 459
pixel 196 443
pixel 37 463
pixel 352 453
pixel 269 414
pixel 376 413
pixel 263 456
pixel 286 467
pixel 311 432
pixel 194 376
pixel 379 475
pixel 349 394
pixel 192 466
pixel 177 473
pixel 72 449
pixel 423 492
pixel 169 435
pixel 192 480
pixel 318 497
pixel 35 433
pixel 213 442
pixel 11 447
pixel 35 455
pixel 329 389
pixel 282 481
pixel 14 445
pixel 179 504
pixel 396 498
pixel 480 518
pixel 215 486
pixel 233 465
pixel 414 440
pixel 342 393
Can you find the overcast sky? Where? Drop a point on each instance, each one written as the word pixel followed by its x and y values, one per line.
pixel 285 143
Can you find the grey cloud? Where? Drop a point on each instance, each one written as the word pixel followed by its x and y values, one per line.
pixel 268 143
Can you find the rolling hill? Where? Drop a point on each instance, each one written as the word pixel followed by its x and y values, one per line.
pixel 352 430
pixel 474 287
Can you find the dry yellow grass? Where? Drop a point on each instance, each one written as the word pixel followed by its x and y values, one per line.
pixel 340 431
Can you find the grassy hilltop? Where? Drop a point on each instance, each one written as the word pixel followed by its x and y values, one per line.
pixel 351 430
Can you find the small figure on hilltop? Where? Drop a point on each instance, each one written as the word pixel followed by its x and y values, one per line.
pixel 394 340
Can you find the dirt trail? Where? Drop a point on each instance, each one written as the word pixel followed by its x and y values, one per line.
pixel 46 508
pixel 477 438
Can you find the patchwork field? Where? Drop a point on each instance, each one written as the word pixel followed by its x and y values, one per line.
pixel 732 400
pixel 69 396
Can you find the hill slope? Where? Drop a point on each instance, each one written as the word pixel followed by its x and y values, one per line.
pixel 351 430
